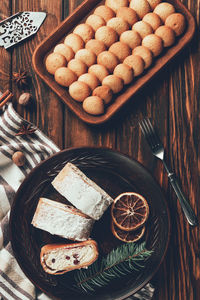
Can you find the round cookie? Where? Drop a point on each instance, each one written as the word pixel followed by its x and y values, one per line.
pixel 55 61
pixel 74 41
pixel 136 63
pixel 114 82
pixel 164 10
pixel 131 38
pixel 105 12
pixel 95 21
pixel 142 28
pixel 85 31
pixel 108 60
pixel 146 55
pixel 104 92
pixel 65 50
pixel 90 79
pixel 153 3
pixel 95 46
pixel 141 7
pixel 121 50
pixel 99 71
pixel 77 66
pixel 176 22
pixel 118 24
pixel 64 76
pixel 152 19
pixel 93 105
pixel 116 4
pixel 107 35
pixel 79 91
pixel 167 35
pixel 124 72
pixel 127 14
pixel 86 56
pixel 153 43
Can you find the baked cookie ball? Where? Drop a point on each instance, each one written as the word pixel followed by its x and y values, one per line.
pixel 176 22
pixel 85 31
pixel 142 28
pixel 93 105
pixel 90 79
pixel 131 37
pixel 164 10
pixel 79 91
pixel 124 72
pixel 65 50
pixel 136 63
pixel 104 92
pixel 121 50
pixel 141 7
pixel 105 12
pixel 99 71
pixel 146 55
pixel 118 24
pixel 108 60
pixel 95 46
pixel 166 34
pixel 77 66
pixel 95 21
pixel 86 56
pixel 55 61
pixel 153 3
pixel 153 43
pixel 116 4
pixel 74 41
pixel 114 82
pixel 107 35
pixel 64 76
pixel 127 14
pixel 152 19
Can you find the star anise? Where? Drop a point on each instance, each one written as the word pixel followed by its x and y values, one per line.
pixel 26 130
pixel 21 78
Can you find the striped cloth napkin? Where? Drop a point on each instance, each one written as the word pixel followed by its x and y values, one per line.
pixel 13 283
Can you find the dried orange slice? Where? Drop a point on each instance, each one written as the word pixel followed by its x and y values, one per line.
pixel 129 211
pixel 127 236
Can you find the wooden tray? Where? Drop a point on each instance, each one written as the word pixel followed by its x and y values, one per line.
pixel 79 16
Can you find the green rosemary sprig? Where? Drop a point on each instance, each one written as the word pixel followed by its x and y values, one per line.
pixel 119 262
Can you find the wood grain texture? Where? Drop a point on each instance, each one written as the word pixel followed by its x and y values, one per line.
pixel 171 100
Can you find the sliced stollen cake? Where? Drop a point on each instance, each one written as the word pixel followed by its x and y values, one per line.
pixel 81 191
pixel 59 259
pixel 62 220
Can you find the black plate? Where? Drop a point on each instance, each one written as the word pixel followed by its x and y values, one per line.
pixel 114 172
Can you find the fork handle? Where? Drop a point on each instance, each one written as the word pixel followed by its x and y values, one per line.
pixel 189 214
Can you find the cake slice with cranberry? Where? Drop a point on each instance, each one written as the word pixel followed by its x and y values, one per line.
pixel 59 259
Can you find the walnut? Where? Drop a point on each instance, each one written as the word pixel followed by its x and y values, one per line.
pixel 19 158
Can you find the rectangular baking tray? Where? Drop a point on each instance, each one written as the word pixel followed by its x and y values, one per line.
pixel 78 16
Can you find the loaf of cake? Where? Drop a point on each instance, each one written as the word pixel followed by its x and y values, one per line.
pixel 62 220
pixel 59 259
pixel 81 191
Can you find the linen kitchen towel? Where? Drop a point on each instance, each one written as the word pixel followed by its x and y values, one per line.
pixel 13 283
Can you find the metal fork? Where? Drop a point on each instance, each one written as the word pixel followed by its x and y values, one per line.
pixel 158 151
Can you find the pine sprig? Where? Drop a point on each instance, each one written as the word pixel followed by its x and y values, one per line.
pixel 119 262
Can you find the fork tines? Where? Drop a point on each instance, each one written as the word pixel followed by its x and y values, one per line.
pixel 5 97
pixel 149 132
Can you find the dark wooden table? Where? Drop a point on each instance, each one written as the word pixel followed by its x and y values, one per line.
pixel 171 100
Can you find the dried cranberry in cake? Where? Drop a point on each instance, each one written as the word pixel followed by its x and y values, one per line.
pixel 129 211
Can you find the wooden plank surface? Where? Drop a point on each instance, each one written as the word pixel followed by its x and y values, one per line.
pixel 172 101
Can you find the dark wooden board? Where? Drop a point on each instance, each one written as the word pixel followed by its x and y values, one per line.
pixel 128 92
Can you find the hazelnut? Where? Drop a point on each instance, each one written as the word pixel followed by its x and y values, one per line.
pixel 19 158
pixel 25 98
